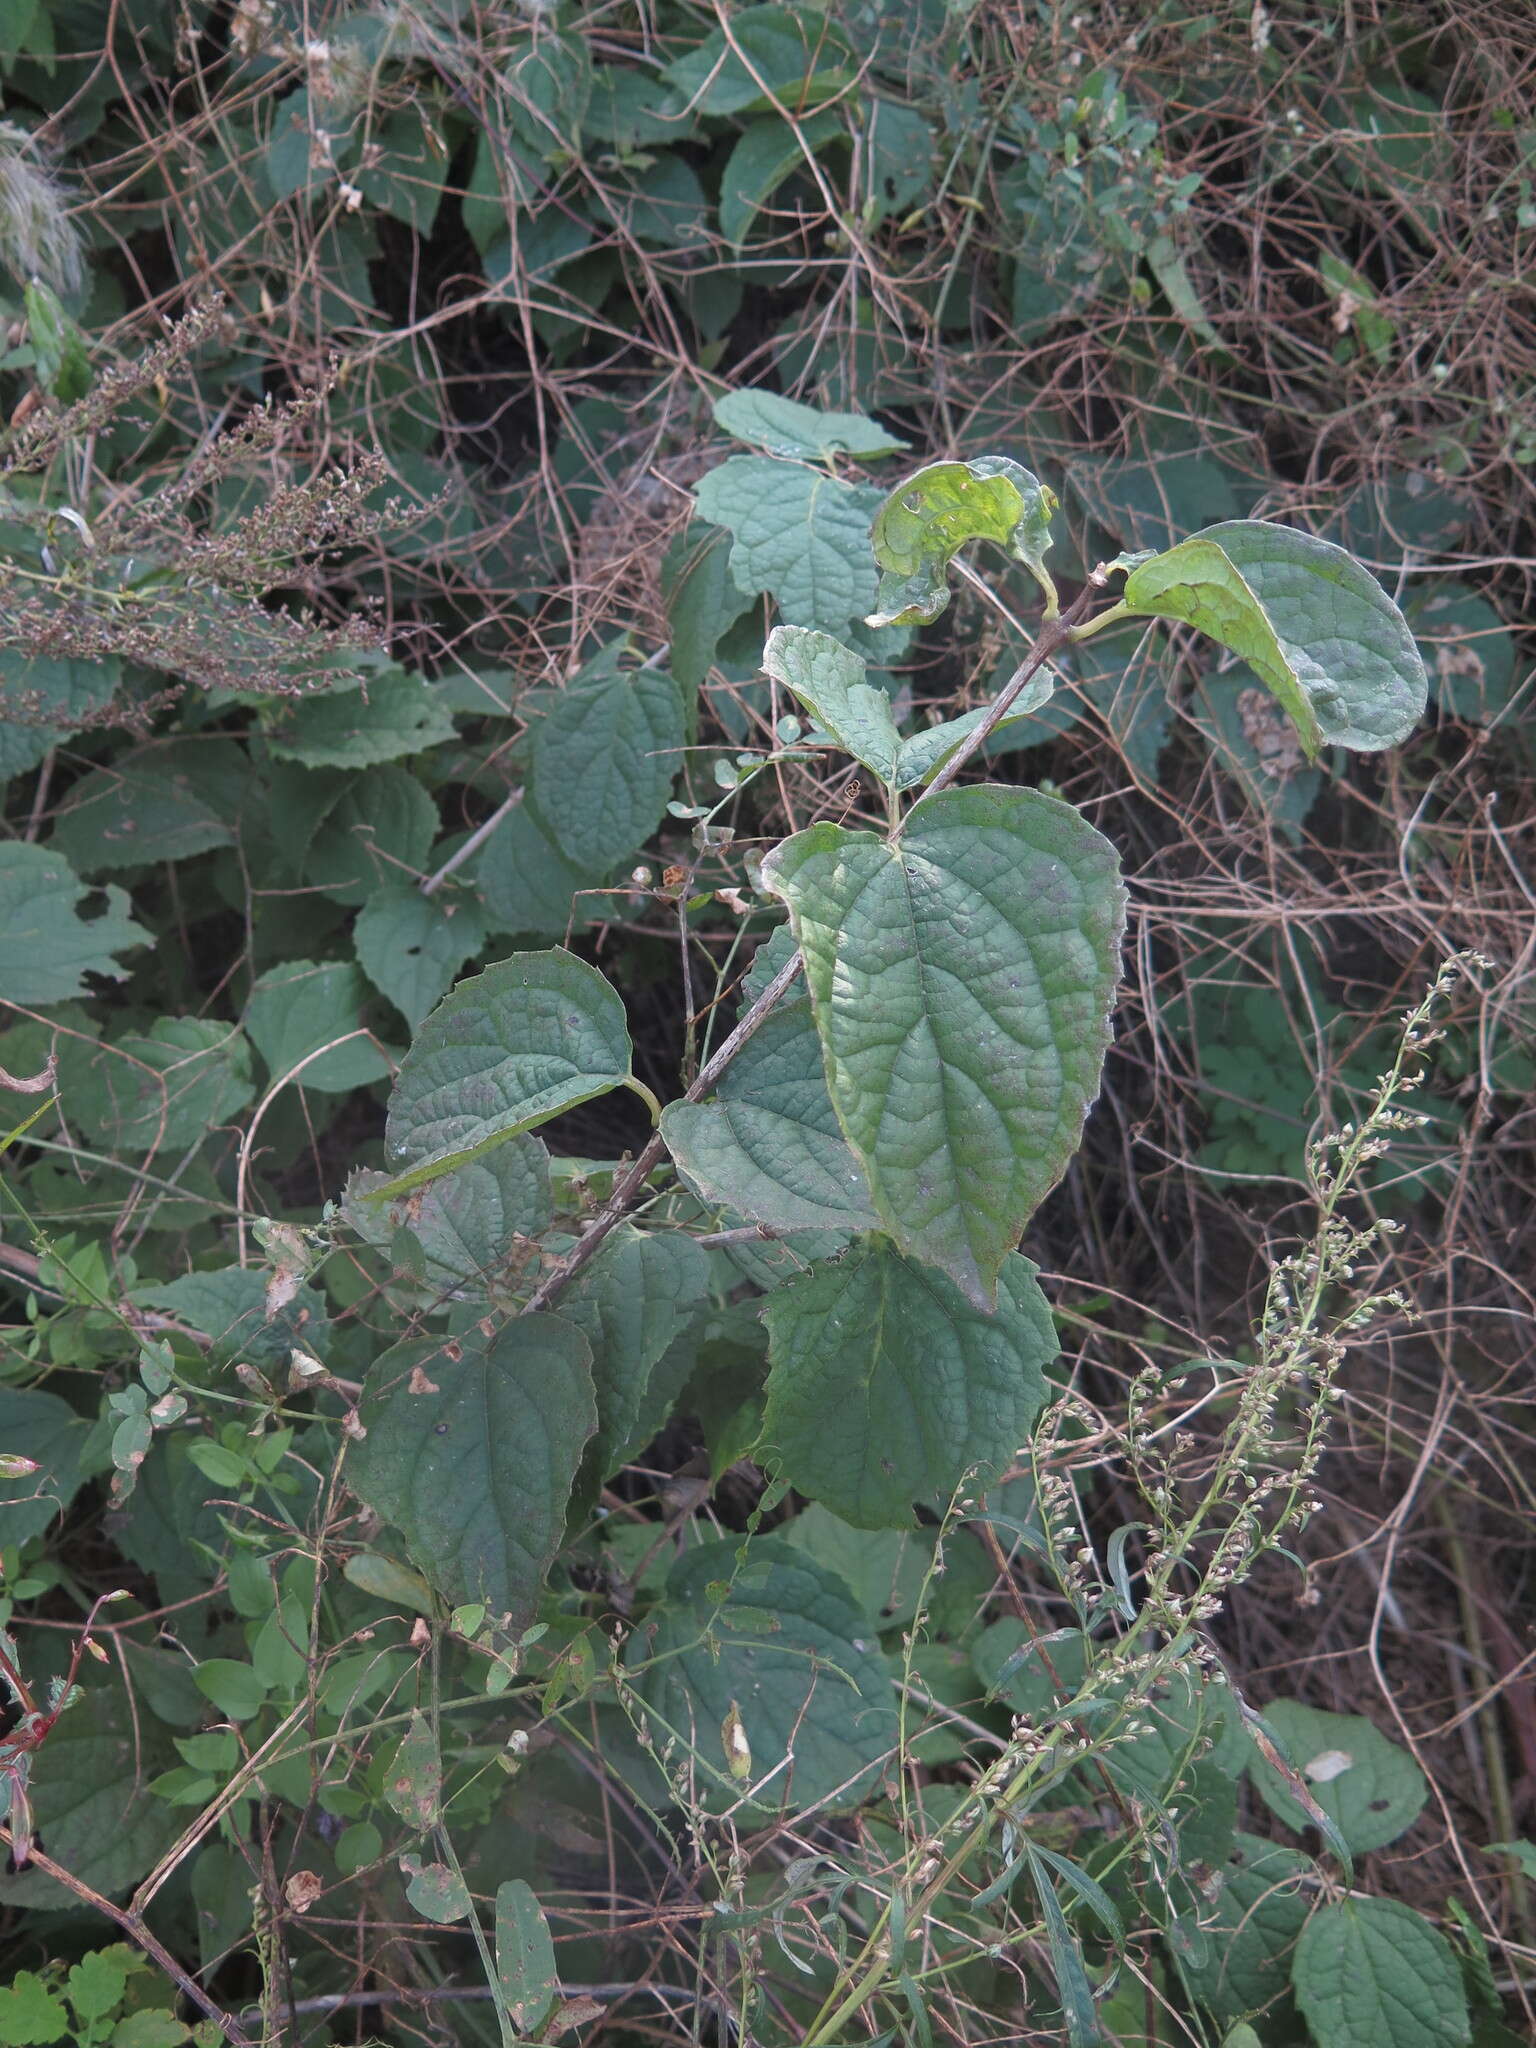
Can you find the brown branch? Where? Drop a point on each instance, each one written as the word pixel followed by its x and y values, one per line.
pixel 135 1929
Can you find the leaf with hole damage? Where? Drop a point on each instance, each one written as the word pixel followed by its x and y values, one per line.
pixel 886 1386
pixel 961 981
pixel 925 521
pixel 768 1144
pixel 783 426
pixel 1372 1973
pixel 411 946
pixel 1317 627
pixel 472 1447
pixel 47 946
pixel 799 534
pixel 1369 1787
pixel 604 758
pixel 786 1644
pixel 505 1051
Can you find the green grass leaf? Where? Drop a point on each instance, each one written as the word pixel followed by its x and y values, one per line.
pixel 1371 1973
pixel 887 1386
pixel 1319 629
pixel 47 945
pixel 962 983
pixel 506 1050
pixel 471 1451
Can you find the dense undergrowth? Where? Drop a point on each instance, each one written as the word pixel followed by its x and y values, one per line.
pixel 398 496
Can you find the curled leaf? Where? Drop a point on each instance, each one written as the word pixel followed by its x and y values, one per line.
pixel 926 520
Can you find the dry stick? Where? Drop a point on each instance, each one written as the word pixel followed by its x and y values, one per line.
pixel 472 844
pixel 134 1927
pixel 1053 634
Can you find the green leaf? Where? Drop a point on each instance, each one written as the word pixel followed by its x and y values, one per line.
pixel 229 1304
pixel 165 801
pixel 160 1090
pixel 38 1425
pixel 463 1225
pixel 702 597
pixel 95 1985
pixel 1316 626
pixel 30 2014
pixel 887 1386
pixel 58 347
pixel 800 534
pixel 828 679
pixel 925 521
pixel 47 946
pixel 1470 653
pixel 896 154
pixel 789 1647
pixel 1072 1985
pixel 1370 1788
pixel 43 699
pixel 1524 1854
pixel 526 1976
pixel 301 1006
pixel 1371 1973
pixel 766 153
pixel 768 1144
pixel 393 715
pixel 526 881
pixel 962 982
pixel 630 1302
pixel 438 1893
pixel 89 1804
pixel 382 827
pixel 472 1448
pixel 507 1050
pixel 783 426
pixel 413 1786
pixel 411 946
pixel 604 757
pixel 797 56
pixel 885 1569
pixel 403 166
pixel 235 1689
pixel 1251 1932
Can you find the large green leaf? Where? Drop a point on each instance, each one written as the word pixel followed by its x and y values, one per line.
pixel 1318 628
pixel 526 881
pixel 1372 1973
pixel 379 830
pixel 771 53
pixel 456 1231
pixel 766 153
pixel 629 1303
pixel 43 698
pixel 783 426
pixel 1370 1788
pixel 411 946
pixel 162 1089
pixel 768 1144
pixel 962 982
pixel 1249 1936
pixel 393 715
pixel 46 946
pixel 800 534
pixel 472 1447
pixel 702 597
pixel 506 1050
pixel 786 1645
pixel 925 521
pixel 887 1386
pixel 304 1005
pixel 38 1425
pixel 603 761
pixel 164 801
